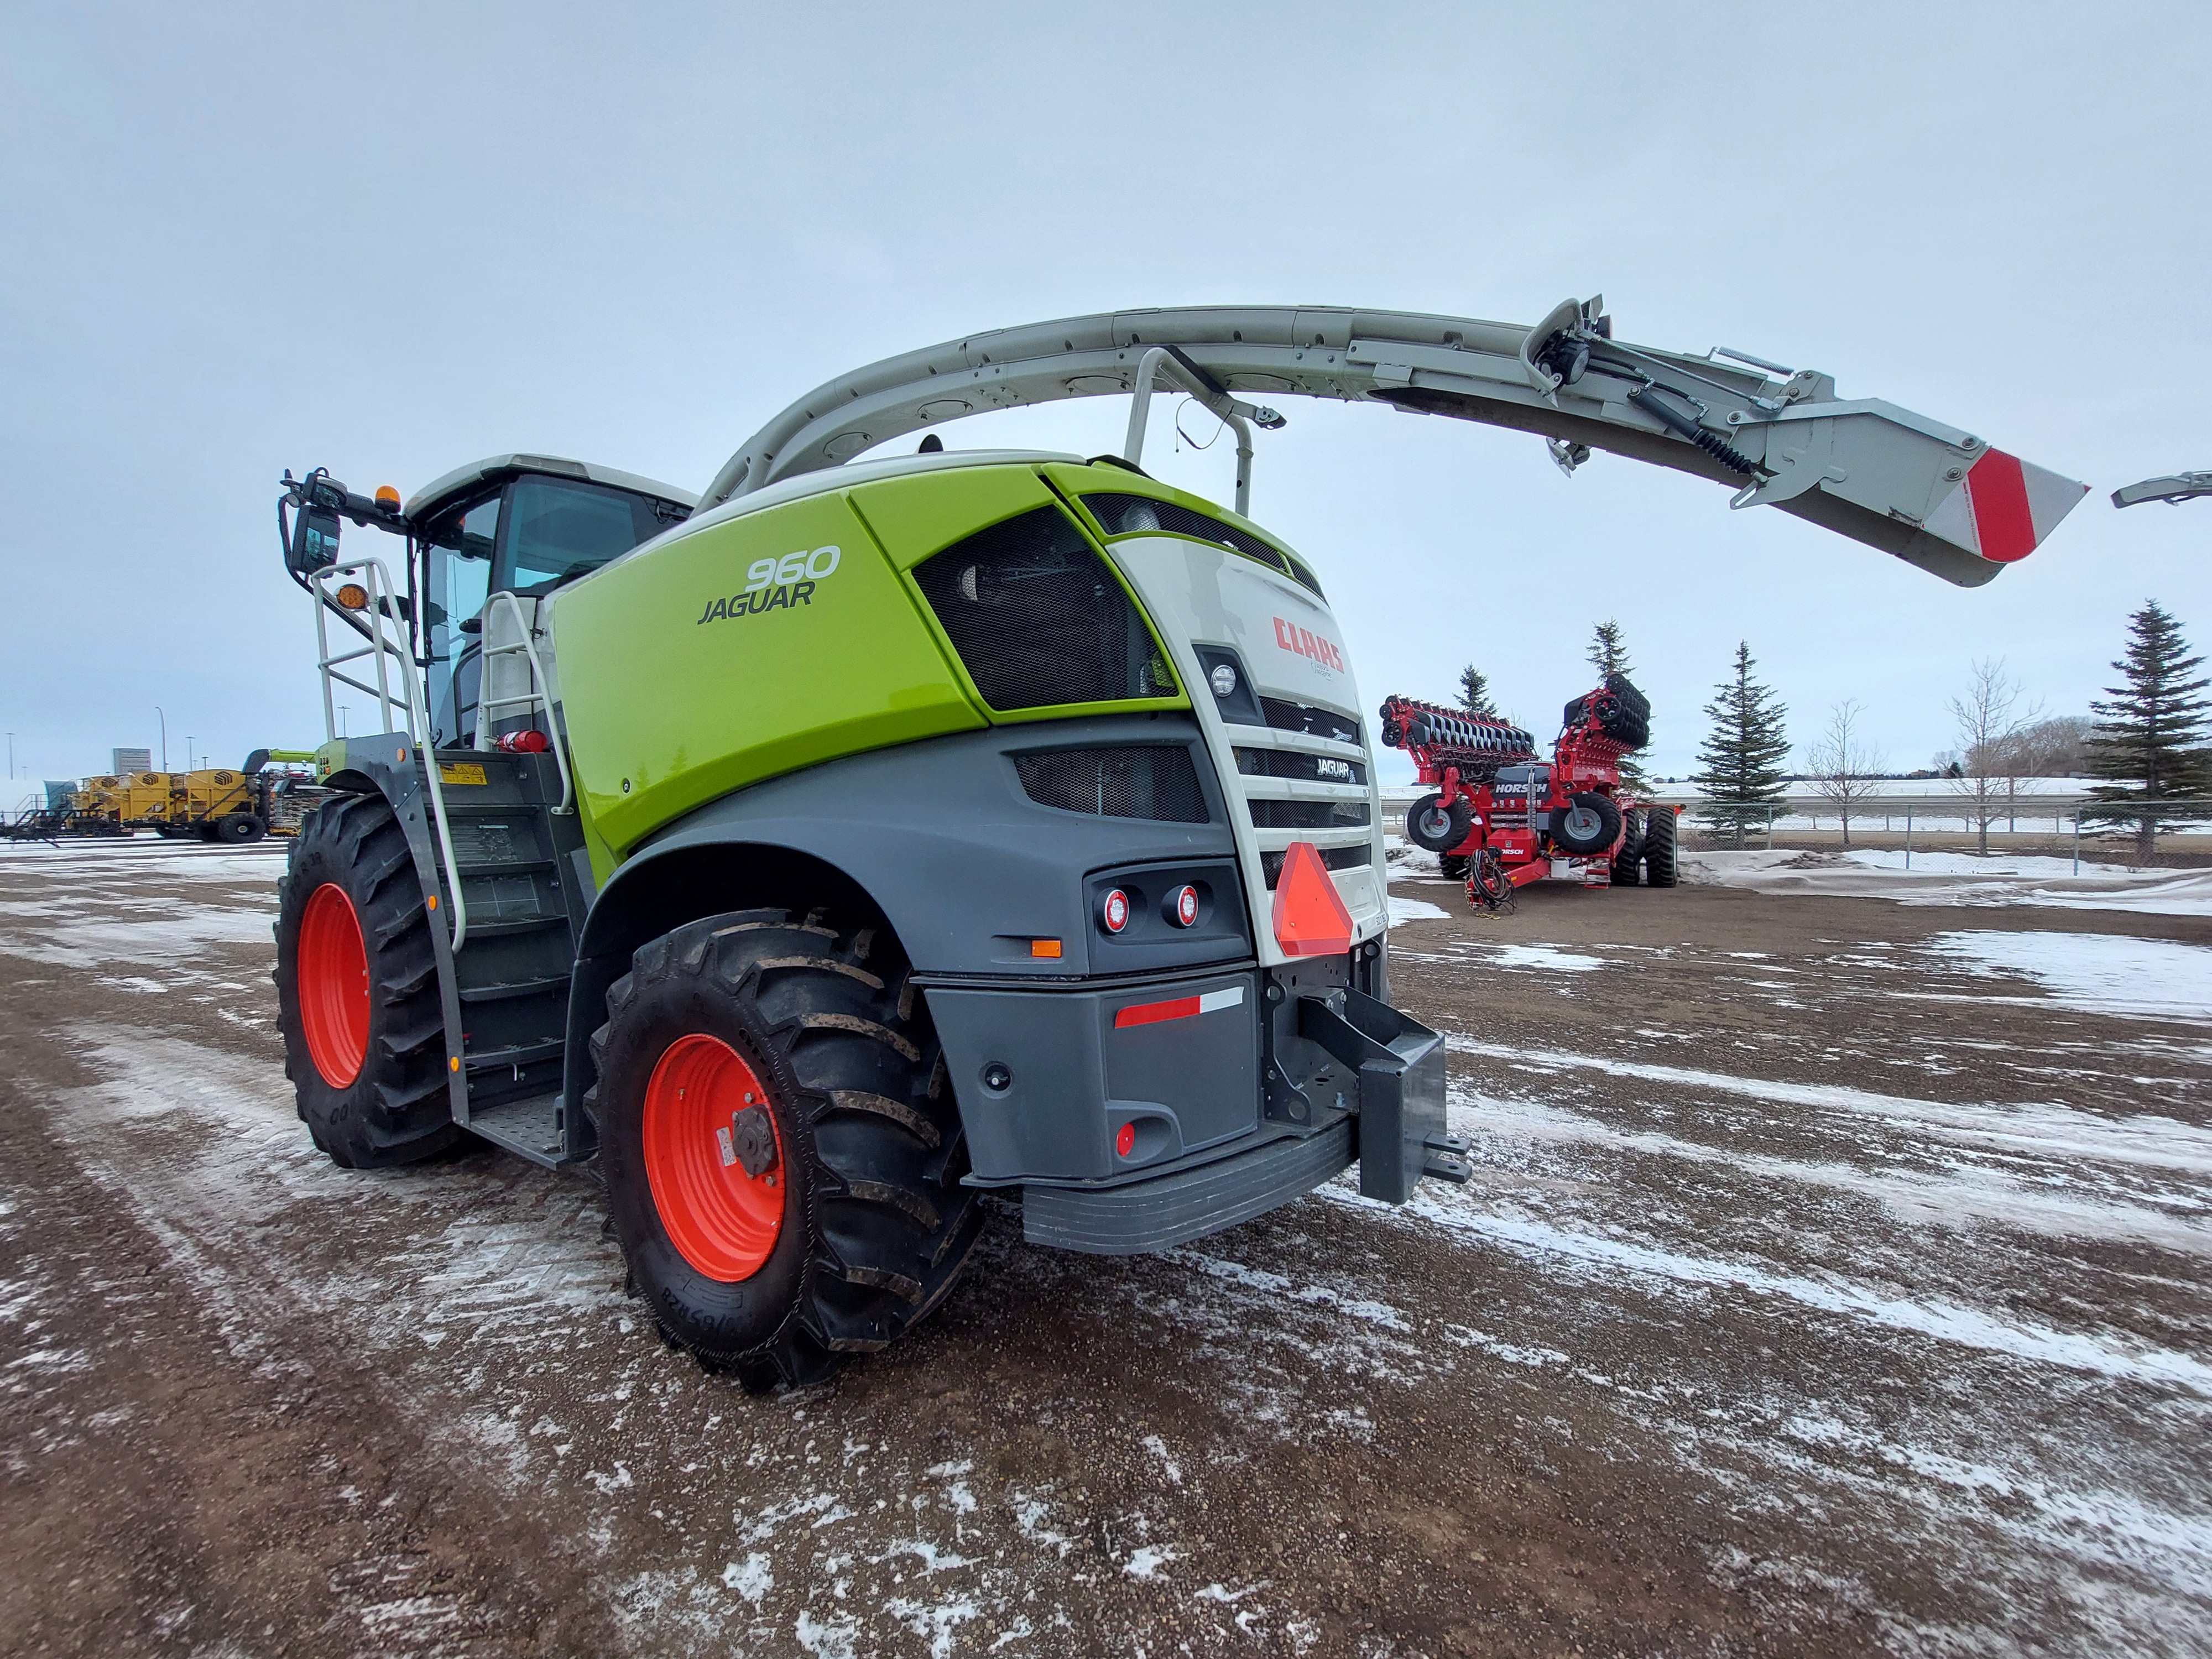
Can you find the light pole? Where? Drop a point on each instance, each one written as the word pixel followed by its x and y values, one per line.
pixel 11 757
pixel 188 751
pixel 164 719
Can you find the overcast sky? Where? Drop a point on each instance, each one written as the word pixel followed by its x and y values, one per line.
pixel 392 239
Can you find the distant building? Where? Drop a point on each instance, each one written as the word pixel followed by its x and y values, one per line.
pixel 133 760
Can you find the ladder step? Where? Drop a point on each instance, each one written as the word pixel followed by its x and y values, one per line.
pixel 492 927
pixel 513 988
pixel 521 1054
pixel 530 1127
pixel 503 866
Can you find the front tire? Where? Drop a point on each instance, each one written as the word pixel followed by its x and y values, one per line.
pixel 357 990
pixel 773 1255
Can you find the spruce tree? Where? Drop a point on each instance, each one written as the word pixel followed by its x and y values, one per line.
pixel 2150 745
pixel 1608 650
pixel 1742 755
pixel 1474 692
pixel 1609 654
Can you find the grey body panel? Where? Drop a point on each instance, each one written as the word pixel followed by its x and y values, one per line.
pixel 1071 1079
pixel 1865 469
pixel 964 864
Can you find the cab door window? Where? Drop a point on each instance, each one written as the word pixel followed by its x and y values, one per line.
pixel 457 581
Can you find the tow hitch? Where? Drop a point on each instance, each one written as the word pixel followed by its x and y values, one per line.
pixel 1401 1064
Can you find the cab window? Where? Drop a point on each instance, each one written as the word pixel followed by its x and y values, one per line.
pixel 457 572
pixel 557 532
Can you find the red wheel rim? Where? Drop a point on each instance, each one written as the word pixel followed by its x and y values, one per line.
pixel 721 1220
pixel 333 983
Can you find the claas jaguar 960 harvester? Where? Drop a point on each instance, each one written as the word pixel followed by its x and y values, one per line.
pixel 871 832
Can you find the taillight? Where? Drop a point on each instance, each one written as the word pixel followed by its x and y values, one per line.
pixel 1114 911
pixel 1183 905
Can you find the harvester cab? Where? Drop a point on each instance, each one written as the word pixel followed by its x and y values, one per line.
pixel 871 833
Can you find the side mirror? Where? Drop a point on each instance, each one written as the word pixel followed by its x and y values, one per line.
pixel 314 541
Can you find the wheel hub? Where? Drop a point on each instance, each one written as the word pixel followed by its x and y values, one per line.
pixel 332 973
pixel 713 1157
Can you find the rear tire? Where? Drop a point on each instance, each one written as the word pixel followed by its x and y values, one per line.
pixel 364 1031
pixel 241 828
pixel 1660 865
pixel 1432 828
pixel 873 1226
pixel 1452 866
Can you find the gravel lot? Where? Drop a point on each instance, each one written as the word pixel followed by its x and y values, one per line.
pixel 1833 1280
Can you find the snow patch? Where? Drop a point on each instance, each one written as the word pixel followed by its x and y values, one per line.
pixel 2099 973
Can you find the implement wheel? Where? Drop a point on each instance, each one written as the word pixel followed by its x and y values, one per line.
pixel 1628 861
pixel 781 1151
pixel 357 990
pixel 1430 825
pixel 1661 867
pixel 1588 824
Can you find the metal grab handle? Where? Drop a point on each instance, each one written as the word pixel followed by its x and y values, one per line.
pixel 1159 359
pixel 539 695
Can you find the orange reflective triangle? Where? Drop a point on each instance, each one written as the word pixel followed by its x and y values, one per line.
pixel 1310 919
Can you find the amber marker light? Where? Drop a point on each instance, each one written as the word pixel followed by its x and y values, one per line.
pixel 1048 948
pixel 354 597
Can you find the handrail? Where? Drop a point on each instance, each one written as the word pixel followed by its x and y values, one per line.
pixel 383 614
pixel 540 694
pixel 1229 409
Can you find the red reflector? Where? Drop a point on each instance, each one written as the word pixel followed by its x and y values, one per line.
pixel 1152 1013
pixel 1125 1140
pixel 1114 911
pixel 1310 919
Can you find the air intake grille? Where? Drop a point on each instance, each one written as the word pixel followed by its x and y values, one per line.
pixel 1039 619
pixel 1302 768
pixel 1129 515
pixel 1317 722
pixel 1309 814
pixel 1129 781
pixel 1331 858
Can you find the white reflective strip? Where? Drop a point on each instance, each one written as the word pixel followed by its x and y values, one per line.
pixel 1231 998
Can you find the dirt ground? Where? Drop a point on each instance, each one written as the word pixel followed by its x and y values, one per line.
pixel 1826 1286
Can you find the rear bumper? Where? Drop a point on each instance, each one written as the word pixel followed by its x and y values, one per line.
pixel 1173 1209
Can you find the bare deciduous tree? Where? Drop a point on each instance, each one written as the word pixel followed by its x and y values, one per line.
pixel 1842 764
pixel 1990 721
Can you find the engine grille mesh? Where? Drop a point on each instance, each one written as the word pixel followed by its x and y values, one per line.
pixel 1317 722
pixel 1331 858
pixel 1039 619
pixel 1126 781
pixel 1309 814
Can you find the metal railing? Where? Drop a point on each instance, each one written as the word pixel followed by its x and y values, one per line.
pixel 384 633
pixel 539 696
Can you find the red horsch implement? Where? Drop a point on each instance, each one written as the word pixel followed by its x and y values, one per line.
pixel 1500 817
